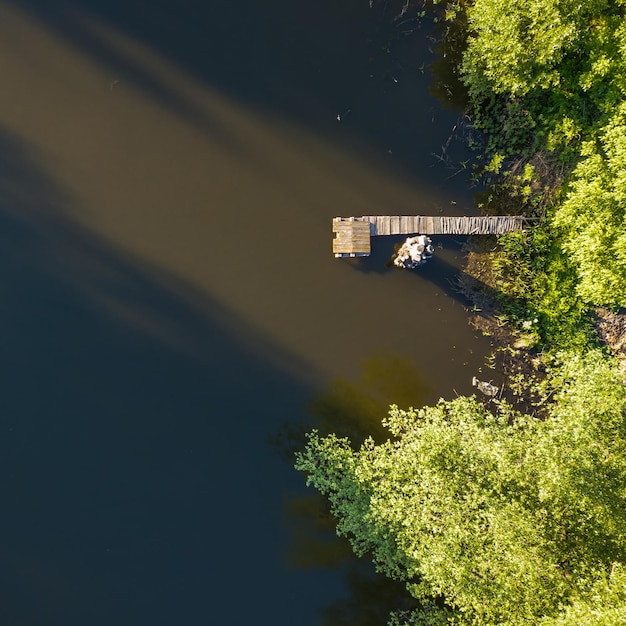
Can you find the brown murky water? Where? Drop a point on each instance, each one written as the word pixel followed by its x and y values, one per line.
pixel 169 299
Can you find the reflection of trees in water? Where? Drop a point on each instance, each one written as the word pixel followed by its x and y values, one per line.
pixel 314 543
pixel 313 540
pixel 400 54
pixel 449 41
pixel 372 598
pixel 449 38
pixel 355 409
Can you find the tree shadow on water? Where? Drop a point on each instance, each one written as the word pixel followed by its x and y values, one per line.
pixel 307 63
pixel 353 409
pixel 134 414
pixel 443 270
pixel 370 597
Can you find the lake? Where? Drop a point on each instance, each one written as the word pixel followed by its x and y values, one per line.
pixel 171 308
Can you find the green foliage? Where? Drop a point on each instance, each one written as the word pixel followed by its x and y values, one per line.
pixel 605 605
pixel 531 274
pixel 593 216
pixel 509 125
pixel 563 135
pixel 603 72
pixel 541 73
pixel 520 46
pixel 548 77
pixel 517 44
pixel 509 519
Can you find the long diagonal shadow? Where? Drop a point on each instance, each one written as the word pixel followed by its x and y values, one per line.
pixel 134 413
pixel 307 64
pixel 136 487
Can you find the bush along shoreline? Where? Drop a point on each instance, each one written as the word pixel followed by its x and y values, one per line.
pixel 546 83
pixel 500 512
pixel 547 86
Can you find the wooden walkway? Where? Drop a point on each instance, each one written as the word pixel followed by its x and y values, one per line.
pixel 352 234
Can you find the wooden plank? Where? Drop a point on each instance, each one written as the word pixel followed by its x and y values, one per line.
pixel 382 226
pixel 376 222
pixel 352 237
pixel 352 234
pixel 436 226
pixel 404 224
pixel 394 224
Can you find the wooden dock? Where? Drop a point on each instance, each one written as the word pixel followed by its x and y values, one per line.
pixel 352 234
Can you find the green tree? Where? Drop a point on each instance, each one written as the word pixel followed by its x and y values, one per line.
pixel 508 519
pixel 547 84
pixel 517 44
pixel 593 216
pixel 604 606
pixel 541 73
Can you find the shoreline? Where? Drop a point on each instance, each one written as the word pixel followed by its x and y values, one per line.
pixel 514 353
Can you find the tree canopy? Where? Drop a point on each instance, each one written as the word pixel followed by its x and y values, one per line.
pixel 507 518
pixel 518 46
pixel 593 216
pixel 547 85
pixel 490 516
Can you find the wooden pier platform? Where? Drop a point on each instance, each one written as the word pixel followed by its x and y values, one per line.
pixel 352 234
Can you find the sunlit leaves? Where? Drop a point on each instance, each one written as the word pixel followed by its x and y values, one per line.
pixel 562 63
pixel 517 44
pixel 507 517
pixel 593 217
pixel 604 605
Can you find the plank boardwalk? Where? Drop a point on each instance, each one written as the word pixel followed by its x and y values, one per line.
pixel 352 234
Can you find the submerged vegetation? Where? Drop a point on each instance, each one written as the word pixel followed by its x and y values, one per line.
pixel 499 513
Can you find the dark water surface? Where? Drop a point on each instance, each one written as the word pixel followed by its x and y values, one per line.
pixel 169 305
